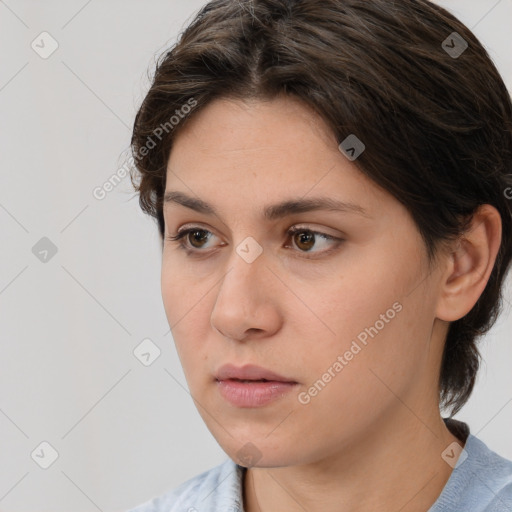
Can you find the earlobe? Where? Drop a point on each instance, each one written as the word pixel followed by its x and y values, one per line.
pixel 470 264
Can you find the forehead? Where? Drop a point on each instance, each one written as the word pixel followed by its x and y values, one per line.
pixel 266 151
pixel 227 124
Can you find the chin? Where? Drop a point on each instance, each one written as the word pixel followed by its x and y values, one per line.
pixel 262 453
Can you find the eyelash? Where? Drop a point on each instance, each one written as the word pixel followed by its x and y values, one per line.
pixel 292 231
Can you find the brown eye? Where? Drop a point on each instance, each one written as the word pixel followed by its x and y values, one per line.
pixel 315 243
pixel 195 240
pixel 197 236
pixel 305 240
pixel 192 239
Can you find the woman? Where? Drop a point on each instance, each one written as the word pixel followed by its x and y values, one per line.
pixel 330 183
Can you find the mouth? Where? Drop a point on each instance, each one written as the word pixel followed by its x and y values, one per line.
pixel 248 381
pixel 250 373
pixel 252 386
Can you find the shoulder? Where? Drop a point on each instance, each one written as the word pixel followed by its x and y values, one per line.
pixel 480 482
pixel 219 488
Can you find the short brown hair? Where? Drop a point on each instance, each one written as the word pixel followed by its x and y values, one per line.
pixel 437 126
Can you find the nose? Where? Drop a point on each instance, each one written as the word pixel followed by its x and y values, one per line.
pixel 247 302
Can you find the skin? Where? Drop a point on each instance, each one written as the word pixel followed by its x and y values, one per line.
pixel 372 439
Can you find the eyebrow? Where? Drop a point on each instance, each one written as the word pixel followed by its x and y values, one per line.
pixel 271 212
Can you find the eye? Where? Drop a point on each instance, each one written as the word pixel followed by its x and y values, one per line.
pixel 195 236
pixel 194 240
pixel 307 239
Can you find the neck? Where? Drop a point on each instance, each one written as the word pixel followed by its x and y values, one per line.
pixel 396 465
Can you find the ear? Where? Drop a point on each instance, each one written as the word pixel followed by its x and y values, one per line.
pixel 469 266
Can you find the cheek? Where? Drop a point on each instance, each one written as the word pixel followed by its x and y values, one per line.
pixel 350 380
pixel 181 289
pixel 185 306
pixel 383 359
pixel 355 302
pixel 368 314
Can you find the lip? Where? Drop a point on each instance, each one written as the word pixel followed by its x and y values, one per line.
pixel 249 372
pixel 264 387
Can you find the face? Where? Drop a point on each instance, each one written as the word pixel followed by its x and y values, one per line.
pixel 338 301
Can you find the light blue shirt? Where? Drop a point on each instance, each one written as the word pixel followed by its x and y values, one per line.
pixel 480 482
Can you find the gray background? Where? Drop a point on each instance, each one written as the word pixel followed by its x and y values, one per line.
pixel 124 432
